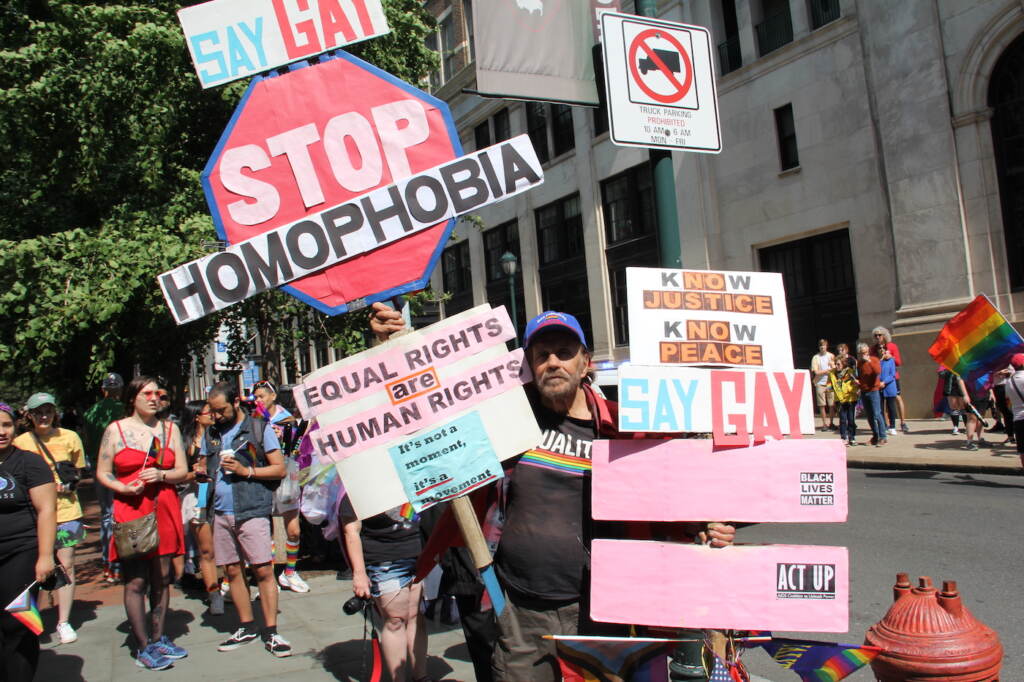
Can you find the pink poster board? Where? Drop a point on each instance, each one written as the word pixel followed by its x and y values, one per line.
pixel 755 587
pixel 784 481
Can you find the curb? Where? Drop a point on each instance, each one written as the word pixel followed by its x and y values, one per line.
pixel 950 467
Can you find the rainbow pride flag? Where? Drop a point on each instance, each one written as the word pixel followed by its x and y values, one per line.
pixel 976 341
pixel 820 661
pixel 24 609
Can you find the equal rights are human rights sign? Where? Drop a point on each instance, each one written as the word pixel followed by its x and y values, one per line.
pixel 426 416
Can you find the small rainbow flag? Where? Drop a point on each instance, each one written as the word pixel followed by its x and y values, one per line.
pixel 820 661
pixel 407 512
pixel 261 410
pixel 976 341
pixel 24 609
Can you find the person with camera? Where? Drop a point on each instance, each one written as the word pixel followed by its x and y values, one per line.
pixel 243 456
pixel 141 460
pixel 382 551
pixel 28 527
pixel 62 450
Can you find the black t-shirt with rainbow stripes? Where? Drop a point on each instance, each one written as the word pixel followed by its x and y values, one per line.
pixel 545 539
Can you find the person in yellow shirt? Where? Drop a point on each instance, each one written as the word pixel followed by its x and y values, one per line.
pixel 56 445
pixel 843 379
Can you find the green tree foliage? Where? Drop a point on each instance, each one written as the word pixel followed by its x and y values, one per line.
pixel 104 132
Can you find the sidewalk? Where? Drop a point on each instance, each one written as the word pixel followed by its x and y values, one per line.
pixel 327 644
pixel 930 445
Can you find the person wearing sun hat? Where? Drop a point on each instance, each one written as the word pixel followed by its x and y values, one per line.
pixel 54 444
pixel 1015 392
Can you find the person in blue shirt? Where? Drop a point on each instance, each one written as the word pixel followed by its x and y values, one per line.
pixel 244 459
pixel 890 389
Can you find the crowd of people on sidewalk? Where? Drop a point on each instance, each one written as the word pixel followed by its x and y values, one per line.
pixel 867 383
pixel 196 493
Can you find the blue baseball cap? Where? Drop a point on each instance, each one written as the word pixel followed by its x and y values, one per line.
pixel 549 319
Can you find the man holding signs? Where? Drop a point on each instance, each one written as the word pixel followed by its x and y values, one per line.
pixel 542 557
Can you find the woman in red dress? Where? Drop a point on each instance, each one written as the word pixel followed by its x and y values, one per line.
pixel 141 460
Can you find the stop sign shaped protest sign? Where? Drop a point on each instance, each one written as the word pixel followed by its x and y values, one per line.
pixel 317 136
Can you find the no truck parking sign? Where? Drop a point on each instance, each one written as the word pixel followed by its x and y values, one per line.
pixel 661 85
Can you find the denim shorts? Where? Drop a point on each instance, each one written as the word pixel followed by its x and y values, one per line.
pixel 390 576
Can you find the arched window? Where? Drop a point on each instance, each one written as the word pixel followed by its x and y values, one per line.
pixel 1006 98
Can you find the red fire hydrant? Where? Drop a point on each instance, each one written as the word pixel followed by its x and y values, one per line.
pixel 930 635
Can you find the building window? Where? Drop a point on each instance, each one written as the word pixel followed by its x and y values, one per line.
pixel 482 135
pixel 601 112
pixel 457 275
pixel 729 56
pixel 785 129
pixel 443 40
pixel 502 128
pixel 554 120
pixel 304 367
pixel 537 128
pixel 563 267
pixel 560 231
pixel 630 226
pixel 823 12
pixel 561 128
pixel 776 29
pixel 497 241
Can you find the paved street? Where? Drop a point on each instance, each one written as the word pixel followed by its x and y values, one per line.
pixel 960 525
pixel 950 526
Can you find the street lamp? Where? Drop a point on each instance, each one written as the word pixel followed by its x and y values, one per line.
pixel 509 263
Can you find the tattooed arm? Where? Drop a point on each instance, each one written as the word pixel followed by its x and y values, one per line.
pixel 105 464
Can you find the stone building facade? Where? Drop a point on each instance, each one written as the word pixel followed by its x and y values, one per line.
pixel 873 152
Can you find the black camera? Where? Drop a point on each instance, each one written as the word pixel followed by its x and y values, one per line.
pixel 355 605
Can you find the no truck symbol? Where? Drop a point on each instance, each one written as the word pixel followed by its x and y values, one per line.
pixel 664 73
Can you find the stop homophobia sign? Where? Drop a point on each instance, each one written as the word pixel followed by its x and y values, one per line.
pixel 343 232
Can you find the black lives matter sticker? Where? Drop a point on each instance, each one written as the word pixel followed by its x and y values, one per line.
pixel 805 581
pixel 817 488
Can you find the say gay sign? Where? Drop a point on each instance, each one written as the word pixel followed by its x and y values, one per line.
pixel 733 404
pixel 704 317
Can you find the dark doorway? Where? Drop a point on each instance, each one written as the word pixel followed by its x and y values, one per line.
pixel 821 296
pixel 1006 97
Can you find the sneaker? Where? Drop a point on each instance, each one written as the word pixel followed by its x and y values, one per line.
pixel 241 636
pixel 904 428
pixel 293 582
pixel 956 431
pixel 892 432
pixel 278 646
pixel 970 445
pixel 852 443
pixel 152 659
pixel 216 603
pixel 66 633
pixel 169 649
